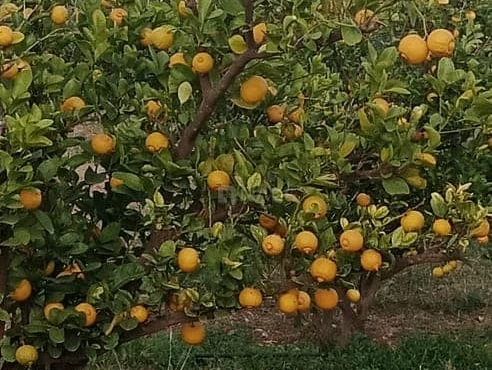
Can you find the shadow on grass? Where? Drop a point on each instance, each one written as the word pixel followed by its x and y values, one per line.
pixel 239 351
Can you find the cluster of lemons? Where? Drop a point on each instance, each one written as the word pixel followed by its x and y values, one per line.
pixel 323 269
pixel 192 333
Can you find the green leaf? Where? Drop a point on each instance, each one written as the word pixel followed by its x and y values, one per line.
pixel 185 91
pixel 131 180
pixel 348 146
pixel 237 44
pixel 366 126
pixel 99 22
pixel 396 186
pixel 129 324
pixel 22 83
pixel 45 221
pixel 78 248
pixel 49 168
pixel 397 90
pixel 258 233
pixel 57 335
pixel 351 35
pixel 92 178
pixel 72 342
pixel 8 352
pixel 4 315
pixel 438 205
pixel 225 162
pixel 71 88
pixel 254 181
pixel 445 70
pixel 167 249
pixel 110 232
pixel 236 274
pixel 203 9
pixel 124 274
pixel 434 137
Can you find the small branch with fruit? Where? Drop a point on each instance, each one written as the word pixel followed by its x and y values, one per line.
pixel 212 94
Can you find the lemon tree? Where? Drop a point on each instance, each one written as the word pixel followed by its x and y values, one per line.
pixel 160 160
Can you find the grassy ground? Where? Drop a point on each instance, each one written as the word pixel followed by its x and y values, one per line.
pixel 418 323
pixel 240 351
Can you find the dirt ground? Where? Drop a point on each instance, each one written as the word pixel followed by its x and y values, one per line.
pixel 412 303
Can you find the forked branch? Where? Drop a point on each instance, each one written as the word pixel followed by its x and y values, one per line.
pixel 212 94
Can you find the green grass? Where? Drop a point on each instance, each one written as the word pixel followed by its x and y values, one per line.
pixel 239 351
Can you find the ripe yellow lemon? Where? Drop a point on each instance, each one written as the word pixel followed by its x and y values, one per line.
pixel 363 200
pixel 52 306
pixel 382 104
pixel 303 300
pixel 481 230
pixel 437 272
pixel 250 298
pixel 9 71
pixel 114 182
pixel 323 270
pixel 89 312
pixel 202 62
pixel 470 15
pixel 218 180
pixel 188 260
pixel 193 333
pixel 273 245
pixel 259 33
pixel 153 108
pixel 22 291
pixel 306 242
pixel 412 221
pixel 453 264
pixel 117 15
pixel 326 299
pixel 275 113
pixel 178 301
pixel 156 141
pixel 441 43
pixel 483 240
pixel 254 90
pixel 177 58
pixel 102 144
pixel 371 260
pixel 49 268
pixel 26 355
pixel 6 36
pixel 182 9
pixel 365 15
pixel 296 116
pixel 287 303
pixel 72 104
pixel 413 49
pixel 139 313
pixel 145 37
pixel 353 295
pixel 316 205
pixel 441 227
pixel 351 240
pixel 59 14
pixel 447 268
pixel 31 199
pixel 162 37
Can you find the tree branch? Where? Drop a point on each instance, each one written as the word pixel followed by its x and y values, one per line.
pixel 211 95
pixel 430 256
pixel 156 326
